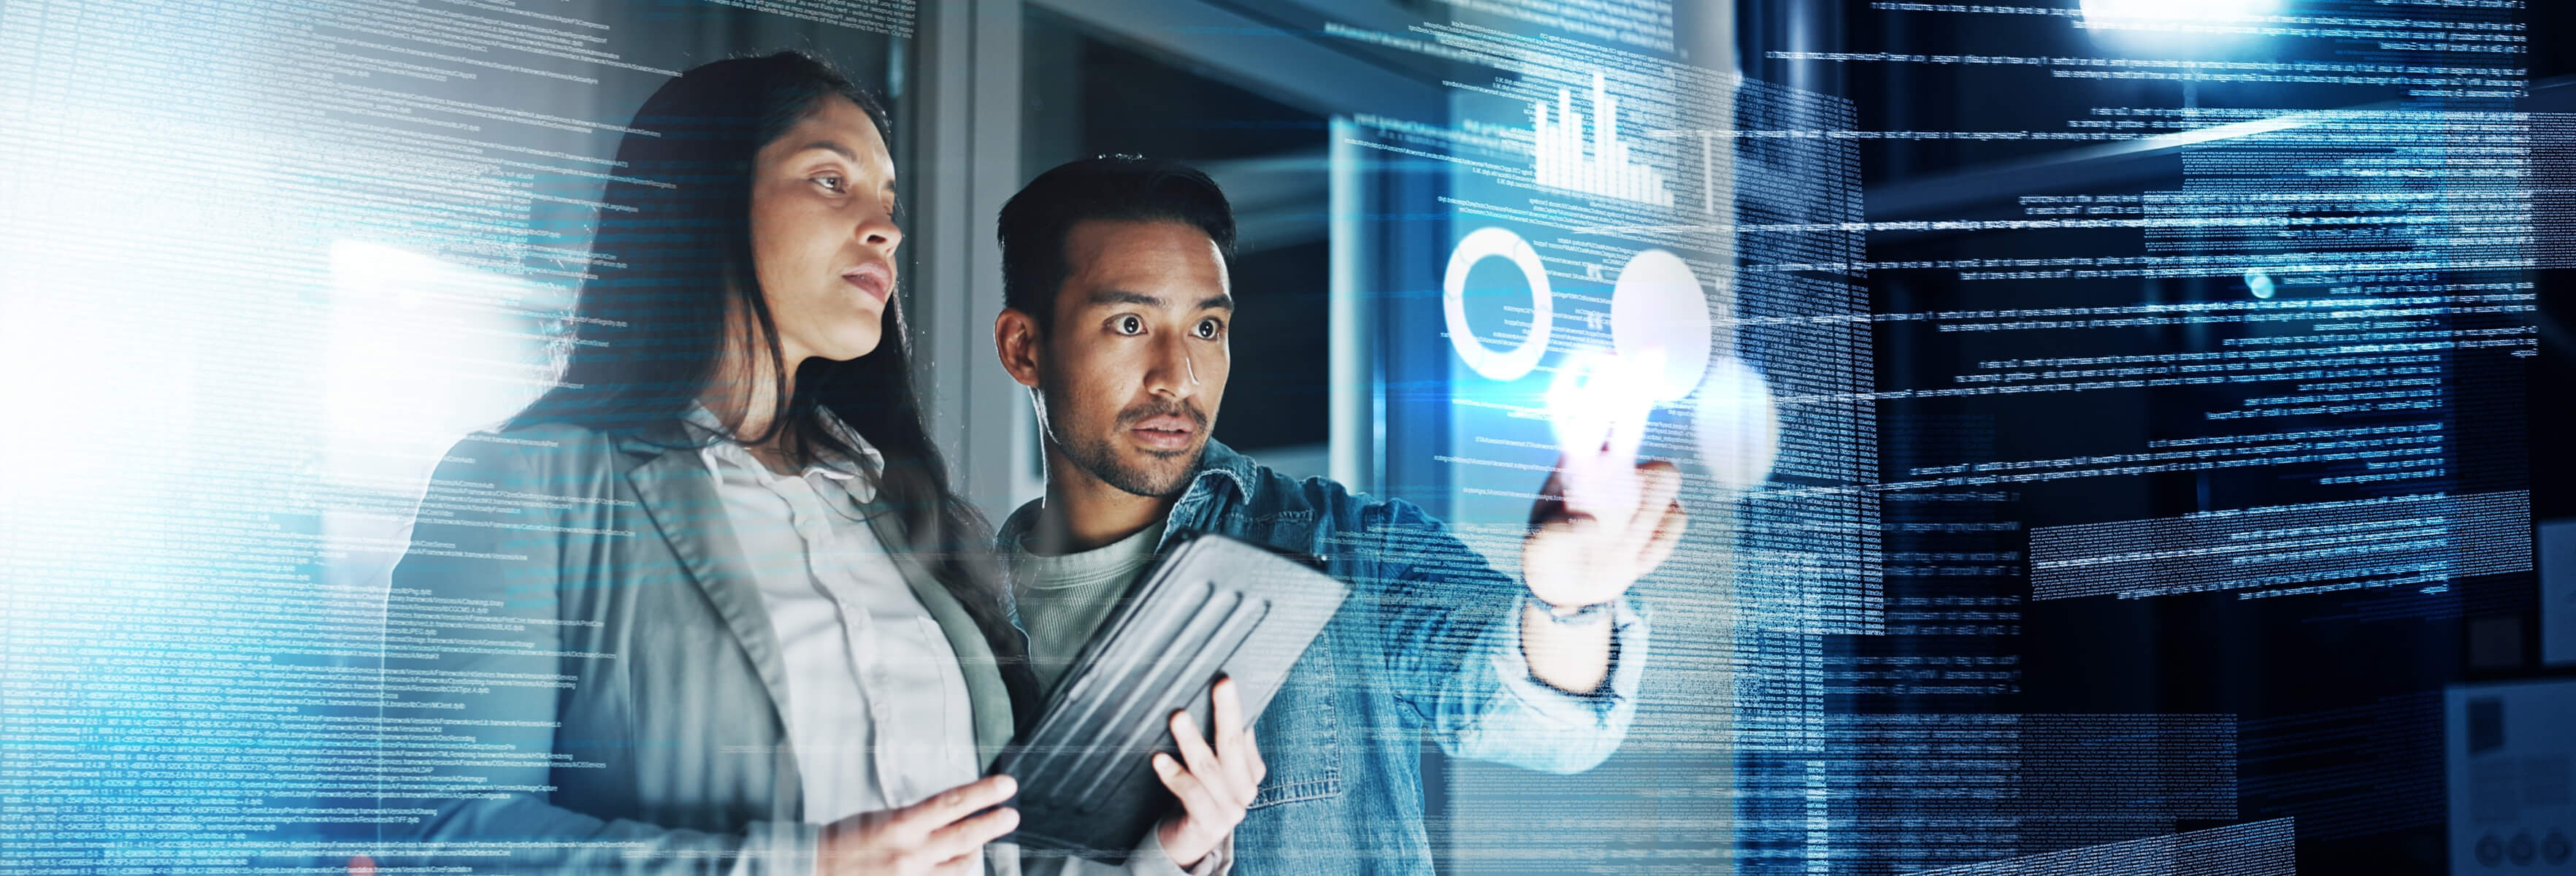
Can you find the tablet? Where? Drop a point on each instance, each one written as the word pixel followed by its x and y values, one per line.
pixel 1210 606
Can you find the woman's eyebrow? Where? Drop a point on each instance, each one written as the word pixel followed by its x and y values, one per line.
pixel 832 145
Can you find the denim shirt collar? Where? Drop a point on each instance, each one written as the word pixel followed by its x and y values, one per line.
pixel 1219 467
pixel 1199 506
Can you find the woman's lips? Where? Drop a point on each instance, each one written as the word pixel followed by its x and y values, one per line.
pixel 874 280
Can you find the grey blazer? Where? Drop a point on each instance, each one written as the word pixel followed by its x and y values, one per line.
pixel 585 678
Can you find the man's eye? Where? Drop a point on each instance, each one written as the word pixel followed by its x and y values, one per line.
pixel 833 183
pixel 1128 325
pixel 1208 329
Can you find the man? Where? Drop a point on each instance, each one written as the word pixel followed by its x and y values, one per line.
pixel 1117 317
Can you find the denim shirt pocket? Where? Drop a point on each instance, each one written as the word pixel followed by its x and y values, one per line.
pixel 1301 731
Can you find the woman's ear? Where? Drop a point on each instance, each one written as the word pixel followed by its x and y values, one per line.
pixel 1015 339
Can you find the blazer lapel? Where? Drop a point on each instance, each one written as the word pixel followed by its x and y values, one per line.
pixel 989 699
pixel 680 496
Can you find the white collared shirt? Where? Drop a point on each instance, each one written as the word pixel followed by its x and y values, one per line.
pixel 877 710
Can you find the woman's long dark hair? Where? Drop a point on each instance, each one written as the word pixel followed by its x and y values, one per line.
pixel 648 331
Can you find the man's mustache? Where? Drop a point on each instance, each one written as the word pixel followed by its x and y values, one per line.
pixel 1158 408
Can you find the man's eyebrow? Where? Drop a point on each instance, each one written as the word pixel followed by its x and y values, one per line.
pixel 1122 296
pixel 1220 301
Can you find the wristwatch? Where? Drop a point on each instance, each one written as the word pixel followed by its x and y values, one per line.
pixel 1572 616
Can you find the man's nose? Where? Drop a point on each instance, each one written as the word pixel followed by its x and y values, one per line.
pixel 1173 374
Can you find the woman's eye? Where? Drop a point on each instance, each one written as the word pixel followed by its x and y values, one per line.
pixel 833 183
pixel 1128 325
pixel 1208 329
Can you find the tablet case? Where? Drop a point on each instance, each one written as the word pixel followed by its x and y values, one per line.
pixel 1211 606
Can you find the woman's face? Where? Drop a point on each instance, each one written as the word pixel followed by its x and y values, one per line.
pixel 823 233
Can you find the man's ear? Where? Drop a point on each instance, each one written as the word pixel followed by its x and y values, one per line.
pixel 1015 339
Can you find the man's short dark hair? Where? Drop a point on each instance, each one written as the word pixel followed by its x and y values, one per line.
pixel 1114 188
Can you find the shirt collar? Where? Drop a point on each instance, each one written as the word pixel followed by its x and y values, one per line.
pixel 1218 464
pixel 722 449
pixel 1219 461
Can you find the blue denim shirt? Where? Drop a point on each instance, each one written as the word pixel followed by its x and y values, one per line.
pixel 1428 645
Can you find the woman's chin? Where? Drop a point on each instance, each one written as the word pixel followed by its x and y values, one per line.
pixel 852 346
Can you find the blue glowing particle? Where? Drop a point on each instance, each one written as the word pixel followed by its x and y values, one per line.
pixel 2259 282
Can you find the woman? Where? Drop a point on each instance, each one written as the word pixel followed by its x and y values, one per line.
pixel 710 603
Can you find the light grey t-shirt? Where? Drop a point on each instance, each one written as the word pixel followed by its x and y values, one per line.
pixel 1064 598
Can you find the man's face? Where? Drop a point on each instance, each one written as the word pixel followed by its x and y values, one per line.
pixel 1135 365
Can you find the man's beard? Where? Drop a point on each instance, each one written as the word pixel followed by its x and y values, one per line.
pixel 1097 456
